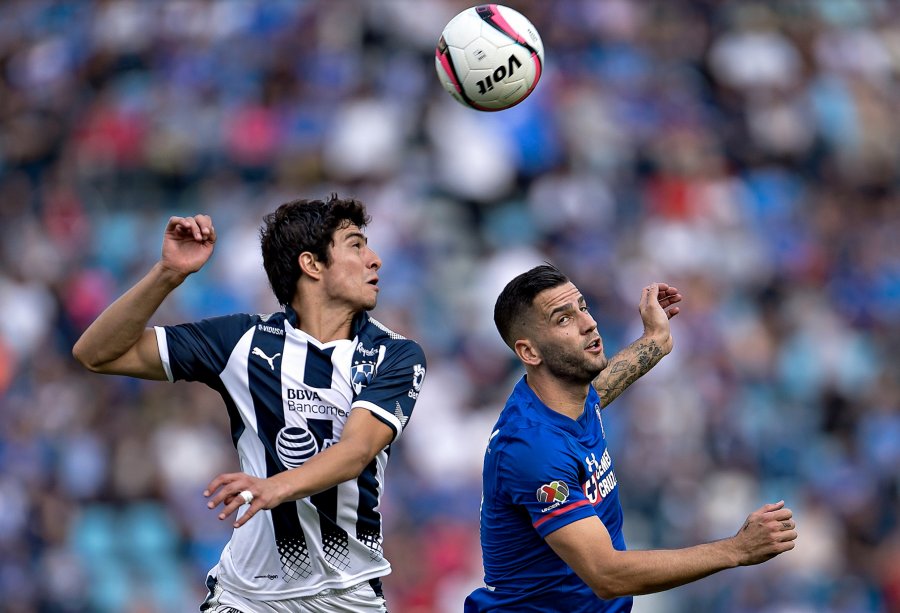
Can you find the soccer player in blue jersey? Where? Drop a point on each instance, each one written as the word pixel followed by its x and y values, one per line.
pixel 316 394
pixel 551 522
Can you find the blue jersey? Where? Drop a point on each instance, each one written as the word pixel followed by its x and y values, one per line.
pixel 289 396
pixel 543 471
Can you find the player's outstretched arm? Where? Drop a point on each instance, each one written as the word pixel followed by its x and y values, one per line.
pixel 361 440
pixel 657 307
pixel 586 547
pixel 118 342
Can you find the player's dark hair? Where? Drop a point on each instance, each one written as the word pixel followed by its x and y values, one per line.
pixel 518 296
pixel 303 225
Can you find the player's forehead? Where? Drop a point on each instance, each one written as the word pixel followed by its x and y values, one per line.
pixel 553 298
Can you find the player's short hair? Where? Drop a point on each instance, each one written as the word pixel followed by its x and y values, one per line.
pixel 517 298
pixel 303 225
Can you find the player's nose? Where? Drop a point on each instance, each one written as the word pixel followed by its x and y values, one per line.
pixel 588 324
pixel 375 261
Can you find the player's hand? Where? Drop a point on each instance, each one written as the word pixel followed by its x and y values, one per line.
pixel 228 489
pixel 658 305
pixel 188 243
pixel 768 531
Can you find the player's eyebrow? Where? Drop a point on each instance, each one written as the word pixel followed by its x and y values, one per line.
pixel 356 234
pixel 566 307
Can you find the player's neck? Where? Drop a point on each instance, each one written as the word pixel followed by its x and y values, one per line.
pixel 325 323
pixel 561 396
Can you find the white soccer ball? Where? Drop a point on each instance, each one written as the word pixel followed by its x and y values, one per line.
pixel 489 57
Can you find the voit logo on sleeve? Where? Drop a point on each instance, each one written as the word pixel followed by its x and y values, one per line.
pixel 555 492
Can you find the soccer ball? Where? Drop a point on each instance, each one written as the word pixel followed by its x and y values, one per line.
pixel 489 57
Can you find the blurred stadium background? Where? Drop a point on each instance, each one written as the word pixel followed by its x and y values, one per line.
pixel 746 151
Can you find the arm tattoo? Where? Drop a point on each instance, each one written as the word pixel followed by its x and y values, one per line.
pixel 625 368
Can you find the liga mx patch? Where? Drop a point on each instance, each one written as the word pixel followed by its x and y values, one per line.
pixel 555 491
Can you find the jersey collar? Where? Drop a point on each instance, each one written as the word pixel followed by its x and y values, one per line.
pixel 547 415
pixel 358 322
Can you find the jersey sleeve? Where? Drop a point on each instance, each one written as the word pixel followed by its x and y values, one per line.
pixel 199 351
pixel 395 386
pixel 541 474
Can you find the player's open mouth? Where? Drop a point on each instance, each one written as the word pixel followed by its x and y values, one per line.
pixel 595 346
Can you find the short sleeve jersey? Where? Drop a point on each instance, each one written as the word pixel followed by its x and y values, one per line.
pixel 288 397
pixel 542 471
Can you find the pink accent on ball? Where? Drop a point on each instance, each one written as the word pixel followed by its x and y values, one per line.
pixel 448 70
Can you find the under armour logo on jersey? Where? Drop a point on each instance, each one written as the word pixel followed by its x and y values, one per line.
pixel 398 413
pixel 259 352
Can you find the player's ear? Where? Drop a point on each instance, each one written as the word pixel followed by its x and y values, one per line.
pixel 310 265
pixel 527 351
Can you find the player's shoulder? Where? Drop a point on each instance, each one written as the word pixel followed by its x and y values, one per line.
pixel 521 432
pixel 271 323
pixel 518 450
pixel 373 332
pixel 373 329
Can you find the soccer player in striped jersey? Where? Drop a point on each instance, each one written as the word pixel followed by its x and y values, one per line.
pixel 316 394
pixel 551 521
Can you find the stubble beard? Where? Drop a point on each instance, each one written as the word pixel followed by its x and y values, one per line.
pixel 567 367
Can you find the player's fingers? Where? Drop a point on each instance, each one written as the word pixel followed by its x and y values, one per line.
pixel 231 507
pixel 780 514
pixel 672 312
pixel 204 223
pixel 772 506
pixel 218 482
pixel 226 492
pixel 666 298
pixel 255 506
pixel 188 226
pixel 649 295
pixel 786 536
pixel 230 494
pixel 784 524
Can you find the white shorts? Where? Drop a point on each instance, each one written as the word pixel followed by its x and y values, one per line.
pixel 359 598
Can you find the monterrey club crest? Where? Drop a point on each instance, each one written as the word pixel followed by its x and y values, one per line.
pixel 361 375
pixel 555 491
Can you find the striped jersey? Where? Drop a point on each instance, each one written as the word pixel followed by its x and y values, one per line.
pixel 543 471
pixel 288 397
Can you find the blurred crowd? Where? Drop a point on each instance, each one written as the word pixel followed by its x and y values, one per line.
pixel 746 151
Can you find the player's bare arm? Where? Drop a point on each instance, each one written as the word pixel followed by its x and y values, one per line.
pixel 586 547
pixel 363 437
pixel 118 342
pixel 658 305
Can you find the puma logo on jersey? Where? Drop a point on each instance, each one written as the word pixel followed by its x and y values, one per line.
pixel 271 361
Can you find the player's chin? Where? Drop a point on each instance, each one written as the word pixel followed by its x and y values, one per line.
pixel 369 303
